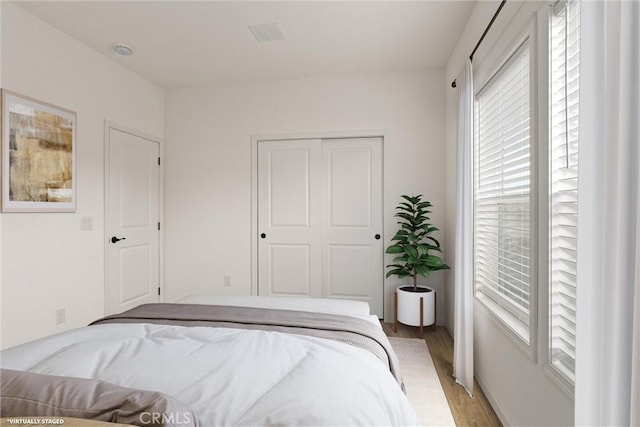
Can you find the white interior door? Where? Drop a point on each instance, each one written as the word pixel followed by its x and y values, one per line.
pixel 352 230
pixel 132 214
pixel 319 212
pixel 290 219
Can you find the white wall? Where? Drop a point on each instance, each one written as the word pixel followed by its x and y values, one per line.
pixel 519 390
pixel 208 161
pixel 1 298
pixel 47 262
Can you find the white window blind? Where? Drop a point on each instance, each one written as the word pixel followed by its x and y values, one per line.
pixel 563 158
pixel 502 194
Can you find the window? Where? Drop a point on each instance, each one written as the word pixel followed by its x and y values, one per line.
pixel 563 167
pixel 502 195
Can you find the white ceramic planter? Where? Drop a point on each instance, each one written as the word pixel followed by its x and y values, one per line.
pixel 409 306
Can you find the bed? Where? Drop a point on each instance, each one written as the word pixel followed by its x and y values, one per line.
pixel 215 361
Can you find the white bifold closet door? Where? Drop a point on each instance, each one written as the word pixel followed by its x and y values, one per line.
pixel 320 219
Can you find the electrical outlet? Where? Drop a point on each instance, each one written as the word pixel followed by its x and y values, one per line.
pixel 227 281
pixel 61 316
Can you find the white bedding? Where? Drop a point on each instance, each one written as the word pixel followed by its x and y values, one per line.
pixel 229 376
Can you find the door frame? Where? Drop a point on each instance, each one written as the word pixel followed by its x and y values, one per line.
pixel 255 140
pixel 108 125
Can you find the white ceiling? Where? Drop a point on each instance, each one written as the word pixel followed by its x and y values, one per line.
pixel 196 43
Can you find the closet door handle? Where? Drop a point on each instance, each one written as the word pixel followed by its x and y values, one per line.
pixel 377 236
pixel 115 239
pixel 262 236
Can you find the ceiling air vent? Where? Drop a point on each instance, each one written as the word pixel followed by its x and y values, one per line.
pixel 267 32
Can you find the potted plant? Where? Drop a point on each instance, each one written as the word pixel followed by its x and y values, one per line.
pixel 415 251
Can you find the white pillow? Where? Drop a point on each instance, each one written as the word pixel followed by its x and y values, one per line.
pixel 314 305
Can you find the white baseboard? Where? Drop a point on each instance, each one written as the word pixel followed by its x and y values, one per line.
pixel 494 403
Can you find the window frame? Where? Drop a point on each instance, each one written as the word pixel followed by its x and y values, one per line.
pixel 534 22
pixel 494 311
pixel 549 369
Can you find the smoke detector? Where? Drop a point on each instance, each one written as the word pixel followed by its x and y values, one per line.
pixel 123 50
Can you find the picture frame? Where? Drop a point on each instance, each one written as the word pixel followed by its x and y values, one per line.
pixel 38 155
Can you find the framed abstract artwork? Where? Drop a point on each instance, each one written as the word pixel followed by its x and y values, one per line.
pixel 38 156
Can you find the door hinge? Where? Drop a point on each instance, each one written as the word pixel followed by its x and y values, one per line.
pixel 158 161
pixel 158 226
pixel 158 290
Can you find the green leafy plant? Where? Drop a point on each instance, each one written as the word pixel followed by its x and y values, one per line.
pixel 413 243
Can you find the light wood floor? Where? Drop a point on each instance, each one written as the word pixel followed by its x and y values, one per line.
pixel 466 411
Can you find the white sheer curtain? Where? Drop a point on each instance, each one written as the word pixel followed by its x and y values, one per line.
pixel 608 330
pixel 463 269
